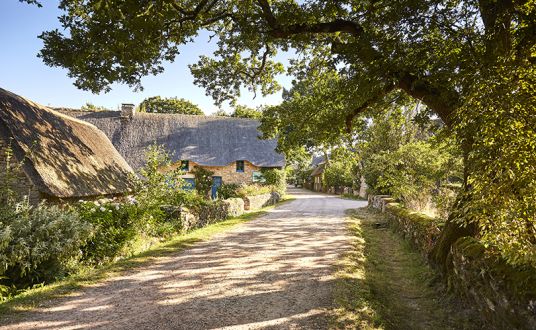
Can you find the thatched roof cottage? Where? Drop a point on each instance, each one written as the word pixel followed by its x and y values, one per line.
pixel 230 147
pixel 62 157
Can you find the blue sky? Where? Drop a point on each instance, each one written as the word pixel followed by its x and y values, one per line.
pixel 23 73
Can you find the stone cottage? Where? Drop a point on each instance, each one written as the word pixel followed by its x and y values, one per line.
pixel 62 157
pixel 230 147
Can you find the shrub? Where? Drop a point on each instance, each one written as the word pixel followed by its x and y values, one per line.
pixel 203 181
pixel 118 223
pixel 339 173
pixel 38 243
pixel 228 190
pixel 115 225
pixel 253 190
pixel 275 178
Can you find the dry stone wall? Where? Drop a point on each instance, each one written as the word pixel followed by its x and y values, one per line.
pixel 260 201
pixel 505 295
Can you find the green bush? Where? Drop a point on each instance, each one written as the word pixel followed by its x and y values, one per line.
pixel 38 243
pixel 228 190
pixel 115 225
pixel 203 181
pixel 410 174
pixel 118 223
pixel 276 179
pixel 339 173
pixel 253 190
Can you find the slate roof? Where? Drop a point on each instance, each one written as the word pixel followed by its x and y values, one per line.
pixel 63 156
pixel 206 140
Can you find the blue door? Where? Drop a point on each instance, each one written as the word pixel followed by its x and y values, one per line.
pixel 216 183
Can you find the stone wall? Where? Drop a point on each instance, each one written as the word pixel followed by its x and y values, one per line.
pixel 20 184
pixel 235 206
pixel 260 201
pixel 504 295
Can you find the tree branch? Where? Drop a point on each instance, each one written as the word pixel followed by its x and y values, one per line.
pixel 338 25
pixel 442 101
pixel 268 14
pixel 375 98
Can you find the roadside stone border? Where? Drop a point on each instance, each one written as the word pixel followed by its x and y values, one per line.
pixel 505 295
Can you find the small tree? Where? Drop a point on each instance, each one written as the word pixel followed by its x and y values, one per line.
pixel 242 111
pixel 276 178
pixel 156 104
pixel 90 107
pixel 203 181
pixel 339 173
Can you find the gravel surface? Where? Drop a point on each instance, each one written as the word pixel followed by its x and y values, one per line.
pixel 275 272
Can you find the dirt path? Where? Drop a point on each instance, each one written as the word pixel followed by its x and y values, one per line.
pixel 385 284
pixel 273 272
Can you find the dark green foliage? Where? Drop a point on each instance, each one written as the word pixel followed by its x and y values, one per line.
pixel 203 181
pixel 241 111
pixel 115 226
pixel 119 222
pixel 275 178
pixel 228 190
pixel 156 104
pixel 37 243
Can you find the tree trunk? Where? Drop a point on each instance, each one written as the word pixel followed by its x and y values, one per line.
pixel 454 228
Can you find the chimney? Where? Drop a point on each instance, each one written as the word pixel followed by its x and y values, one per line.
pixel 127 110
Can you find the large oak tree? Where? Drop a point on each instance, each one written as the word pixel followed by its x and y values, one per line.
pixel 471 62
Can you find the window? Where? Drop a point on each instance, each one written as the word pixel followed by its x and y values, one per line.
pixel 185 165
pixel 189 184
pixel 240 166
pixel 258 177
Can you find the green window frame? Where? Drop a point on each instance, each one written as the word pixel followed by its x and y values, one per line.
pixel 240 166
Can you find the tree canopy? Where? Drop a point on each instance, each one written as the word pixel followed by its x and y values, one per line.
pixel 156 104
pixel 242 111
pixel 472 63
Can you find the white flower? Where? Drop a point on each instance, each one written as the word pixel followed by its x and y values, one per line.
pixel 93 210
pixel 102 209
pixel 110 211
pixel 117 206
pixel 96 203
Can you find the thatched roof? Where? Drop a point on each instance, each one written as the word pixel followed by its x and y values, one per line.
pixel 64 157
pixel 319 169
pixel 209 141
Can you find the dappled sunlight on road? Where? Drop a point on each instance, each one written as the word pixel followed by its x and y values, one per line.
pixel 273 272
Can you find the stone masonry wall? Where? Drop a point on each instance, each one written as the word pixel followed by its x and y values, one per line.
pixel 20 184
pixel 504 295
pixel 228 172
pixel 260 201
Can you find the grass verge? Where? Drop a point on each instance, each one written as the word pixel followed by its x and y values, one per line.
pixel 35 297
pixel 382 283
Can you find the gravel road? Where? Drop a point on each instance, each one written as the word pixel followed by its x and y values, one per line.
pixel 275 272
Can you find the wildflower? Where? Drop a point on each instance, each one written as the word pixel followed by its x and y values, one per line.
pixel 93 210
pixel 132 200
pixel 102 209
pixel 96 203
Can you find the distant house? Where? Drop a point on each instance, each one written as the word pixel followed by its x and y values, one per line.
pixel 62 157
pixel 230 147
pixel 316 176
